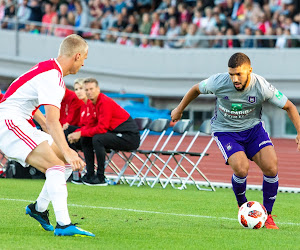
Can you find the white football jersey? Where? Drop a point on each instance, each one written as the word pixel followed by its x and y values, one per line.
pixel 41 85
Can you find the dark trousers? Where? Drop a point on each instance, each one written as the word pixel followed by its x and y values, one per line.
pixel 77 145
pixel 101 142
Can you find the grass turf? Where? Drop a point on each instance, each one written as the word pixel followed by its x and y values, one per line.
pixel 124 217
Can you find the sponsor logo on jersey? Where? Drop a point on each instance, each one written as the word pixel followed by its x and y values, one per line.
pixel 252 99
pixel 236 111
pixel 226 97
pixel 236 107
pixel 278 94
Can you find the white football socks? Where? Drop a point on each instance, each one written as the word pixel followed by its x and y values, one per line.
pixel 57 189
pixel 43 200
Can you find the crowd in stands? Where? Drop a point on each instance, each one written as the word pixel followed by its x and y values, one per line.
pixel 178 21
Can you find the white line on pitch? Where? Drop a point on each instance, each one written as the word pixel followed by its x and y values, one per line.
pixel 152 212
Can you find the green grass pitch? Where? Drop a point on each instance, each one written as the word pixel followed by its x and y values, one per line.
pixel 124 217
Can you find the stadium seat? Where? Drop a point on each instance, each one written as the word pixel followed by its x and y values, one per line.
pixel 158 126
pixel 186 155
pixel 181 128
pixel 143 124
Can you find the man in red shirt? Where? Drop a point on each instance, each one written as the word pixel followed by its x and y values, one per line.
pixel 70 108
pixel 109 127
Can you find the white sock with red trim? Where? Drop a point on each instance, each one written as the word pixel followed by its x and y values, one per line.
pixel 68 171
pixel 58 193
pixel 43 200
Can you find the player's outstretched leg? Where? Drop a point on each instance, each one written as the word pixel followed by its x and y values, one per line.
pixel 41 217
pixel 71 230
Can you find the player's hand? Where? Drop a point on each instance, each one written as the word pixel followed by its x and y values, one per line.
pixel 74 137
pixel 74 160
pixel 298 142
pixel 176 115
pixel 65 126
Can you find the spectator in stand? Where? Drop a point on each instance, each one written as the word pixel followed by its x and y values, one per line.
pixel 144 43
pixel 108 18
pixel 189 41
pixel 281 40
pixel 125 40
pixel 159 43
pixel 173 31
pixel 64 31
pixel 120 24
pixel 261 43
pixel 145 26
pixel 184 28
pixel 82 17
pixel 162 9
pixel 64 12
pixel 50 13
pixel 219 42
pixel 155 25
pixel 133 23
pixel 208 22
pixel 143 6
pixel 183 13
pixel 220 24
pixel 9 13
pixel 70 108
pixel 248 42
pixel 23 14
pixel 232 42
pixel 197 18
pixel 263 23
pixel 96 7
pixel 120 4
pixel 36 11
pixel 290 25
pixel 115 129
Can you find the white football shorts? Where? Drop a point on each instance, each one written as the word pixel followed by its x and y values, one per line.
pixel 18 138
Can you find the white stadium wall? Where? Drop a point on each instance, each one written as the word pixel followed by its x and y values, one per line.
pixel 159 73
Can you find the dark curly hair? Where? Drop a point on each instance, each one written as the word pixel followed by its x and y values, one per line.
pixel 238 59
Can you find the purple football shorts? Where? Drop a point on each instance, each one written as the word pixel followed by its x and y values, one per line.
pixel 250 141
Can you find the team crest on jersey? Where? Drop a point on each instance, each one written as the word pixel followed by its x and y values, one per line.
pixel 228 146
pixel 252 99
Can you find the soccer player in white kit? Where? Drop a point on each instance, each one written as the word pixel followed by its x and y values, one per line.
pixel 47 151
pixel 237 126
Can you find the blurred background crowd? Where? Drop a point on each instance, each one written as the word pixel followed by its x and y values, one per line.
pixel 161 23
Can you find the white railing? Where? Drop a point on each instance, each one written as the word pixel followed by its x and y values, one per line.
pixel 88 32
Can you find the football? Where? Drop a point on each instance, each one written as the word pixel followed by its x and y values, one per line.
pixel 252 215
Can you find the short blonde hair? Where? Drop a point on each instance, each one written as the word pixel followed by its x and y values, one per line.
pixel 71 45
pixel 79 81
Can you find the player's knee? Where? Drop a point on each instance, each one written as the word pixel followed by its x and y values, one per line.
pixel 241 169
pixel 241 172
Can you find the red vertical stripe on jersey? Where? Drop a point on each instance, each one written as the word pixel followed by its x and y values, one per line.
pixel 34 71
pixel 20 134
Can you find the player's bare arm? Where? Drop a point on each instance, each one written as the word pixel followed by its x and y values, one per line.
pixel 55 130
pixel 41 120
pixel 293 114
pixel 192 94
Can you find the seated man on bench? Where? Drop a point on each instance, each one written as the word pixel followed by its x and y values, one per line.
pixel 109 127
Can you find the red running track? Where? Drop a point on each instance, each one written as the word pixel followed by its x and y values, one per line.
pixel 213 166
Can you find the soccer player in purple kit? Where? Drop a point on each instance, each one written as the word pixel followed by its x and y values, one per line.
pixel 237 127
